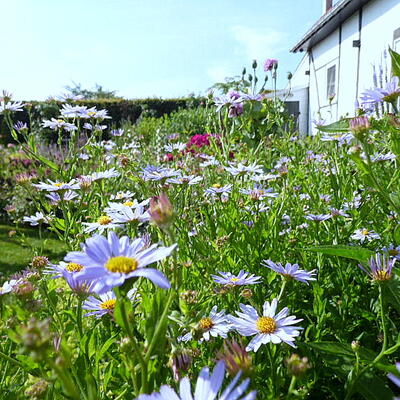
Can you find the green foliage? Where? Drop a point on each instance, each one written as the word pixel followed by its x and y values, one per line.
pixel 395 62
pixel 91 94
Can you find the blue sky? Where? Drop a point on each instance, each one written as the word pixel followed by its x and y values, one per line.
pixel 144 48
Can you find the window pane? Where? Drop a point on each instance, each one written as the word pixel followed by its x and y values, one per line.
pixel 330 79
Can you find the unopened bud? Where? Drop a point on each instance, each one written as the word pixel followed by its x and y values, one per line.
pixel 355 346
pixel 246 293
pixel 39 262
pixel 161 211
pixel 254 65
pixel 236 358
pixel 37 390
pixel 297 366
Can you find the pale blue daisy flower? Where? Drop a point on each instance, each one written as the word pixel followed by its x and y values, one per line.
pixel 364 234
pixel 290 271
pixel 208 387
pixel 110 261
pixel 105 303
pixel 270 327
pixel 38 218
pixel 216 324
pixel 395 379
pixel 52 186
pixel 243 278
pixel 242 169
pixel 379 267
pixel 318 217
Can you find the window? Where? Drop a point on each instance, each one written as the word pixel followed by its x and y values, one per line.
pixel 330 82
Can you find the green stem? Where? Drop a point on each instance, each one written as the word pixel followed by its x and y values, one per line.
pixel 159 327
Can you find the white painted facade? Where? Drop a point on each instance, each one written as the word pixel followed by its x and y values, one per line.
pixel 377 26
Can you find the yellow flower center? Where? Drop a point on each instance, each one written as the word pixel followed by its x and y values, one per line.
pixel 337 136
pixel 216 186
pixel 234 279
pixel 206 324
pixel 121 264
pixel 91 113
pixel 73 267
pixel 104 220
pixel 266 325
pixel 108 304
pixel 382 276
pixel 393 252
pixel 128 203
pixel 59 184
pixel 365 232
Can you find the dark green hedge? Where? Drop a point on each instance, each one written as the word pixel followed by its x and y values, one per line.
pixel 119 110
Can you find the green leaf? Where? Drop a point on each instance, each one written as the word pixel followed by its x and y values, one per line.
pixel 353 252
pixel 105 347
pixel 337 127
pixel 396 234
pixel 395 62
pixel 372 387
pixel 391 290
pixel 339 349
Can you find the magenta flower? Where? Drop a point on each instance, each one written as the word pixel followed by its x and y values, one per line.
pixel 270 63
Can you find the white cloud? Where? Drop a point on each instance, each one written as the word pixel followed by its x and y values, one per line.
pixel 258 43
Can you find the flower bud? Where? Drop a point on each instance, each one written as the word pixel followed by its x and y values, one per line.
pixel 246 293
pixel 254 65
pixel 39 262
pixel 161 211
pixel 236 358
pixel 360 126
pixel 125 344
pixel 36 338
pixel 297 366
pixel 180 362
pixel 355 346
pixel 37 390
pixel 244 71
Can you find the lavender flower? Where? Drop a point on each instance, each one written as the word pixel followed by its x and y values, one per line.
pixel 318 217
pixel 207 388
pixel 390 93
pixel 270 64
pixel 379 267
pixel 243 278
pixel 109 262
pixel 290 271
pixel 270 327
pixel 364 234
pixel 105 303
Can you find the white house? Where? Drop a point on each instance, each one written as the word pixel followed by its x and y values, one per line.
pixel 341 50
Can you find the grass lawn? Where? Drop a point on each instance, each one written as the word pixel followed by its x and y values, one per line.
pixel 16 252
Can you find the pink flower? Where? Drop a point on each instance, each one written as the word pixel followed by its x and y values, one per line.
pixel 199 140
pixel 270 63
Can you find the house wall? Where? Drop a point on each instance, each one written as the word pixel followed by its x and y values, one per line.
pixel 354 66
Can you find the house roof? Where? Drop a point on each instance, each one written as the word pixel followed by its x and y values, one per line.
pixel 328 23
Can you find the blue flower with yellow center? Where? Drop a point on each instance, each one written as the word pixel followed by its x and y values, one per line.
pixel 110 261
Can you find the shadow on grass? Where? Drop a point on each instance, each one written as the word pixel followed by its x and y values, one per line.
pixel 17 251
